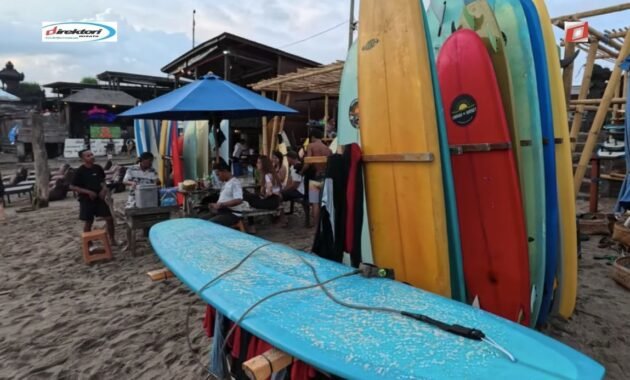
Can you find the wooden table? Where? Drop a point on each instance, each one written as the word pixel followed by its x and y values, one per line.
pixel 142 218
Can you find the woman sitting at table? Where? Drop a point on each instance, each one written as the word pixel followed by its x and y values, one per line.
pixel 268 197
pixel 276 159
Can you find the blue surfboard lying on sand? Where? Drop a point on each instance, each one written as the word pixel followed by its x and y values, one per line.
pixel 347 342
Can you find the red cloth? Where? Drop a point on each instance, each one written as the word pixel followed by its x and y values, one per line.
pixel 302 371
pixel 351 194
pixel 235 342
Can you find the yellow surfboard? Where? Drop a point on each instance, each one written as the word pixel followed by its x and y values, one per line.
pixel 164 130
pixel 399 138
pixel 566 295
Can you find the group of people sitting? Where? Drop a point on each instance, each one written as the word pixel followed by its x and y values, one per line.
pixel 276 185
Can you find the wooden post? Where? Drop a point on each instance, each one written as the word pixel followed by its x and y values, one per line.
pixel 264 130
pixel 615 111
pixel 594 102
pixel 567 73
pixel 325 114
pixel 594 189
pixel 40 158
pixel 274 138
pixel 287 99
pixel 600 116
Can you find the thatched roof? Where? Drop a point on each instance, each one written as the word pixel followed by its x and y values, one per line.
pixel 317 80
pixel 103 97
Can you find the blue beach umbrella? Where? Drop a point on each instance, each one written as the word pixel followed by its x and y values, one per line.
pixel 208 98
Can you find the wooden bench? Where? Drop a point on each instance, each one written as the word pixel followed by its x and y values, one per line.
pixel 18 190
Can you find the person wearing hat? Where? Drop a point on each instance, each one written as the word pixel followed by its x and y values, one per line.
pixel 89 184
pixel 140 174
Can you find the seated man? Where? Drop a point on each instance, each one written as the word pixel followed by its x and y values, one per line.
pixel 140 174
pixel 294 190
pixel 228 207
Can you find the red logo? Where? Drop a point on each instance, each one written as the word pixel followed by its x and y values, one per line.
pixel 52 31
pixel 576 31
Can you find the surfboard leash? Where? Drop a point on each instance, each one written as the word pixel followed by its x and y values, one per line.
pixel 465 332
pixel 455 329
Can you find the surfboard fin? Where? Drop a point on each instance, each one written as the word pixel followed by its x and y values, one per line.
pixel 475 303
pixel 533 297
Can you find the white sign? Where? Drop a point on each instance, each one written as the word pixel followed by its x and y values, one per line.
pixel 99 146
pixel 72 147
pixel 79 31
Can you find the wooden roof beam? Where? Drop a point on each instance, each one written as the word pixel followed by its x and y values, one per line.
pixel 592 13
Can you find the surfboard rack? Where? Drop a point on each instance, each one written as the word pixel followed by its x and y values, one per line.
pixel 160 274
pixel 399 157
pixel 394 157
pixel 486 147
pixel 262 366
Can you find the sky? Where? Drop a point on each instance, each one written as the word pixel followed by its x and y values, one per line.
pixel 153 33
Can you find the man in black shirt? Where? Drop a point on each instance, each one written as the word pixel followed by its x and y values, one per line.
pixel 89 183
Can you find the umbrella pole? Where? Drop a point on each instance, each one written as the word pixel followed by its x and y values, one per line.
pixel 215 127
pixel 264 130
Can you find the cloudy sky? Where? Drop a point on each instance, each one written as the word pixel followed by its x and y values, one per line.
pixel 156 32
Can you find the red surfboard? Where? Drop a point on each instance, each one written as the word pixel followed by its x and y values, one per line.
pixel 176 152
pixel 491 218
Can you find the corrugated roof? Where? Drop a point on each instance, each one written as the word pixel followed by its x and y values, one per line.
pixel 106 97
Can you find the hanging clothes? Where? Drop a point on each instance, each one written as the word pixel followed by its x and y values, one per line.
pixel 330 234
pixel 354 203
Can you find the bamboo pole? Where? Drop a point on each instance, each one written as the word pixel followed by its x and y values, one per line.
pixel 606 52
pixel 567 73
pixel 616 104
pixel 586 84
pixel 264 130
pixel 325 114
pixel 603 38
pixel 274 133
pixel 617 34
pixel 600 116
pixel 597 101
pixel 574 107
pixel 287 99
pixel 594 12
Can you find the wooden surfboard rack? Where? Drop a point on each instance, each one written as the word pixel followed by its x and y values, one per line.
pixel 394 157
pixel 473 148
pixel 160 274
pixel 262 366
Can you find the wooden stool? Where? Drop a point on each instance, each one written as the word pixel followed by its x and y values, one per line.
pixel 96 235
pixel 239 226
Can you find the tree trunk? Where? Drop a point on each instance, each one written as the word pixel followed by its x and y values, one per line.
pixel 40 158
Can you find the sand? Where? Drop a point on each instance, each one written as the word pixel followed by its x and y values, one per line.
pixel 62 319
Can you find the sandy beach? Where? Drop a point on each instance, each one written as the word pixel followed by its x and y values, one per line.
pixel 61 319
